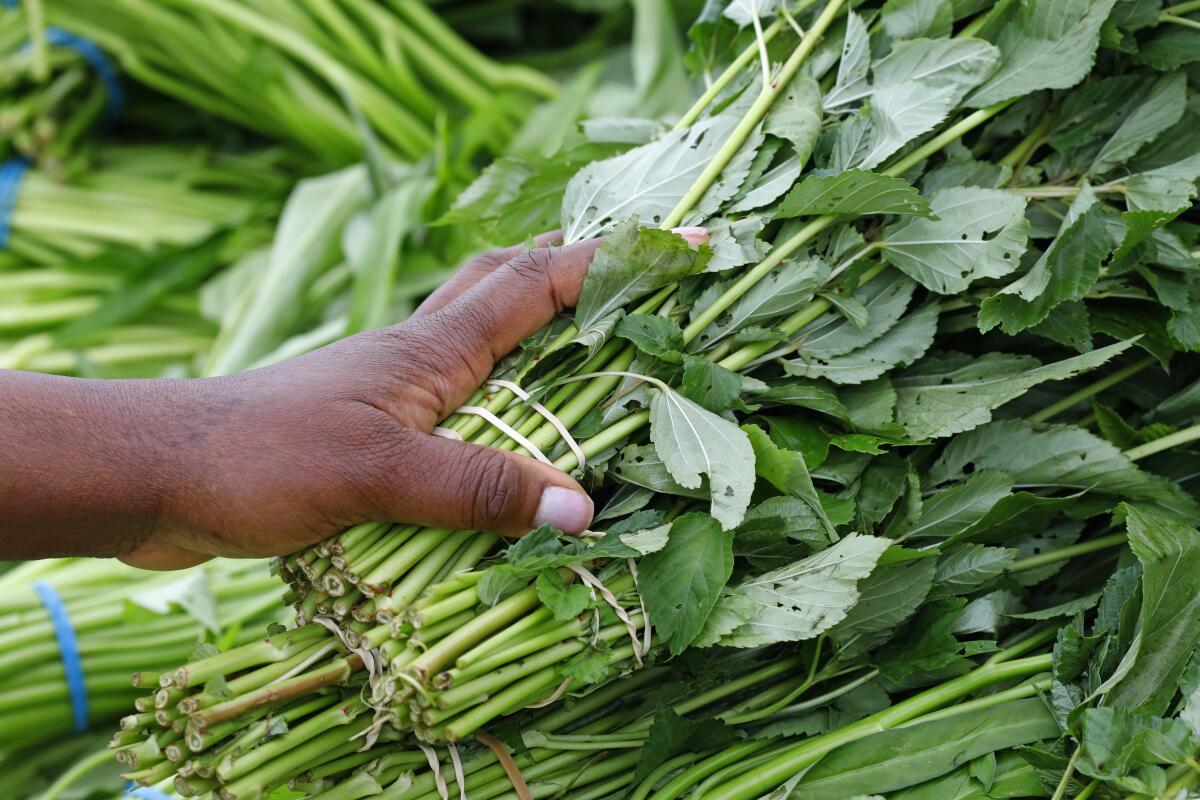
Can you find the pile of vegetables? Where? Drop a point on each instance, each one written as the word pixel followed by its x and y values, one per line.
pixel 899 460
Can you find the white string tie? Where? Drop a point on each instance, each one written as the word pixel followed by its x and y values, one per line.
pixel 591 580
pixel 431 757
pixel 580 458
pixel 458 772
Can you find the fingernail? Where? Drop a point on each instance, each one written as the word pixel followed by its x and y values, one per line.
pixel 693 234
pixel 565 509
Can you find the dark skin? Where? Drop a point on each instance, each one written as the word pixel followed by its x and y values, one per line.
pixel 165 474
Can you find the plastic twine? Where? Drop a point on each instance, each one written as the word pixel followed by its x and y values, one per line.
pixel 11 173
pixel 95 58
pixel 68 650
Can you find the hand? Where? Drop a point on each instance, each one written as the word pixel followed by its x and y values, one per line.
pixel 166 474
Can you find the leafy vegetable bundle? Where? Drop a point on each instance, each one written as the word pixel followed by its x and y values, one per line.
pixel 124 620
pixel 299 72
pixel 921 217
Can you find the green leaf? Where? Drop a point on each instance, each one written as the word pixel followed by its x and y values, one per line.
pixel 854 191
pixel 957 64
pixel 796 116
pixel 895 759
pixel 787 472
pixel 1161 108
pixel 1065 272
pixel 734 243
pixel 641 465
pixel 648 540
pixel 589 667
pixel 925 644
pixel 853 66
pixel 887 597
pixel 769 186
pixel 803 599
pixel 902 345
pixel 712 386
pixel 781 291
pixel 306 243
pixel 1169 626
pixel 680 584
pixel 380 231
pixel 968 567
pixel 1055 457
pixel 1116 741
pixel 648 181
pixel 1046 44
pixel 190 592
pixel 632 262
pixel 884 300
pixel 694 442
pixel 654 335
pixel 908 19
pixel 813 395
pixel 1014 777
pixel 950 511
pixel 953 393
pixel 978 233
pixel 565 601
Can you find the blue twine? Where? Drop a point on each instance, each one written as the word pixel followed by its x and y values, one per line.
pixel 94 56
pixel 144 793
pixel 68 650
pixel 11 173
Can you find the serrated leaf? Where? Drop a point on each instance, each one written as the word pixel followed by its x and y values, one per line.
pixel 804 599
pixel 854 191
pixel 887 597
pixel 1169 624
pixel 770 186
pixel 978 233
pixel 694 442
pixel 883 301
pixel 781 291
pixel 589 667
pixel 641 465
pixel 647 181
pixel 787 472
pixel 680 583
pixel 744 12
pixel 649 540
pixel 1162 107
pixel 853 65
pixel 712 386
pixel 654 335
pixel 796 116
pixel 954 393
pixel 965 568
pixel 897 114
pixel 902 345
pixel 908 19
pixel 565 601
pixel 632 262
pixel 734 242
pixel 953 510
pixel 1055 457
pixel 1046 44
pixel 1065 272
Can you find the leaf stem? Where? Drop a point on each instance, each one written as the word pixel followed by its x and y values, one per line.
pixel 1164 443
pixel 1064 553
pixel 1061 790
pixel 754 116
pixel 1187 23
pixel 1092 389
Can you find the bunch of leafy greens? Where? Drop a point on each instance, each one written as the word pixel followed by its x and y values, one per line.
pixel 823 441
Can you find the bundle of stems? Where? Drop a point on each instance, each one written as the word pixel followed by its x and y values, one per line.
pixel 442 643
pixel 288 70
pixel 126 622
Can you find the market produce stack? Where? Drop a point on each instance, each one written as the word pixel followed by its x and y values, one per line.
pixel 891 428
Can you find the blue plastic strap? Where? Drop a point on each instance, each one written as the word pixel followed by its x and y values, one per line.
pixel 11 173
pixel 145 793
pixel 99 63
pixel 68 651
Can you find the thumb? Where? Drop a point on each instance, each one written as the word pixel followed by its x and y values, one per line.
pixel 452 484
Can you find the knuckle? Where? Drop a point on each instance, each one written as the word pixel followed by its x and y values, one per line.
pixel 493 484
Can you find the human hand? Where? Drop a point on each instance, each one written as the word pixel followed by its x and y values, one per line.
pixel 170 473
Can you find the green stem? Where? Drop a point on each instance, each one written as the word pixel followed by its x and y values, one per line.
pixel 800 755
pixel 1183 8
pixel 754 116
pixel 1064 553
pixel 1092 389
pixel 1187 23
pixel 1061 790
pixel 1164 443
